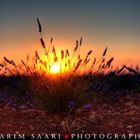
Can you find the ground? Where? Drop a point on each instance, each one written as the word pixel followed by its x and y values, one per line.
pixel 105 116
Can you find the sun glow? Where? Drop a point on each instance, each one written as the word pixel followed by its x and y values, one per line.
pixel 55 68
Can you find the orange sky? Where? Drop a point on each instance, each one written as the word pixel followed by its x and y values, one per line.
pixel 100 24
pixel 22 47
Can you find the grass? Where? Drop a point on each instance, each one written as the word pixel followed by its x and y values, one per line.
pixel 70 87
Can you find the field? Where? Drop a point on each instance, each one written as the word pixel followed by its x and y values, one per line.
pixel 68 94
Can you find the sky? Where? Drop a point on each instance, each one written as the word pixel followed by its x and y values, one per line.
pixel 101 23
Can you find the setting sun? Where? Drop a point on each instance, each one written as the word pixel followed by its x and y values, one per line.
pixel 55 68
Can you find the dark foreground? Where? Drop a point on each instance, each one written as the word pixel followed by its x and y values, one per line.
pixel 105 116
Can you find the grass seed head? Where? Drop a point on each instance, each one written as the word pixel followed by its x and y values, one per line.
pixel 78 64
pixel 67 52
pixel 105 51
pixel 109 62
pixel 54 51
pixel 42 43
pixel 39 25
pixel 76 47
pixel 89 52
pixel 80 41
pixel 62 54
pixel 37 55
pixel 51 40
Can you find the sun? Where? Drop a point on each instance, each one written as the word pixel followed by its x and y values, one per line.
pixel 55 68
